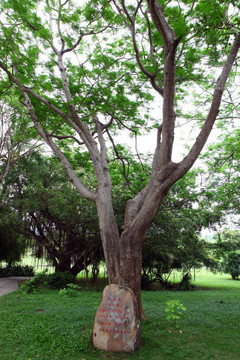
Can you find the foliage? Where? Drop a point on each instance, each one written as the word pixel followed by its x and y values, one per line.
pixel 15 138
pixel 173 240
pixel 185 284
pixel 222 160
pixel 61 226
pixel 31 286
pixel 12 244
pixel 231 264
pixel 70 290
pixel 59 280
pixel 225 242
pixel 16 270
pixel 55 280
pixel 174 310
pixel 146 281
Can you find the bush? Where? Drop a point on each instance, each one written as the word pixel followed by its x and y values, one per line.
pixel 33 284
pixel 16 270
pixel 185 284
pixel 57 280
pixel 231 264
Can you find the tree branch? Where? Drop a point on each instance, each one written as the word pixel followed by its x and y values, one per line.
pixel 194 152
pixel 90 195
pixel 161 23
pixel 77 125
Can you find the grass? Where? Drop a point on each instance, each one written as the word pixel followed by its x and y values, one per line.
pixel 207 279
pixel 48 326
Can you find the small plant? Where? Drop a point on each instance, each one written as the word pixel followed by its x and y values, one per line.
pixel 70 290
pixel 174 310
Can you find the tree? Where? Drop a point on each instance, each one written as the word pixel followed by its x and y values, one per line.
pixel 222 185
pixel 59 224
pixel 226 244
pixel 11 244
pixel 173 240
pixel 68 98
pixel 14 140
pixel 231 264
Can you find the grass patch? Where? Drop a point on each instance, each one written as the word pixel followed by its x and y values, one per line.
pixel 207 279
pixel 47 326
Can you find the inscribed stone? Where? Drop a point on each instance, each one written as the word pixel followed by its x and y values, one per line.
pixel 117 324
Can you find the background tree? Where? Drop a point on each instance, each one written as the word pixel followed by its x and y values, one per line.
pixel 70 98
pixel 225 249
pixel 173 240
pixel 15 138
pixel 231 264
pixel 223 166
pixel 12 245
pixel 59 224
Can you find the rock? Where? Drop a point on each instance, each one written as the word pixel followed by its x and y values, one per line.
pixel 117 323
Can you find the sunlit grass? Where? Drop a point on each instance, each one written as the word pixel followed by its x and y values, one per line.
pixel 205 278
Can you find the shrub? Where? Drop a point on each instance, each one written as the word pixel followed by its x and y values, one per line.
pixel 33 284
pixel 16 270
pixel 57 280
pixel 231 264
pixel 185 284
pixel 173 311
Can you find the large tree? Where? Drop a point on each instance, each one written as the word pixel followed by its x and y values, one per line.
pixel 79 76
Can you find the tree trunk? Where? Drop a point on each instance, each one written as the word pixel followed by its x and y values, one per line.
pixel 109 234
pixel 131 264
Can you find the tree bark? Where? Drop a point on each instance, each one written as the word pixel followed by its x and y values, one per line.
pixel 131 264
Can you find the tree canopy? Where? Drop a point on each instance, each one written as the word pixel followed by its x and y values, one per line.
pixel 222 160
pixel 59 225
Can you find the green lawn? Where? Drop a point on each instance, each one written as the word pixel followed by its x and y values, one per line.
pixel 205 278
pixel 48 326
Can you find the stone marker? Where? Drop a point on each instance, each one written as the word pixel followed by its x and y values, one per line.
pixel 117 324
